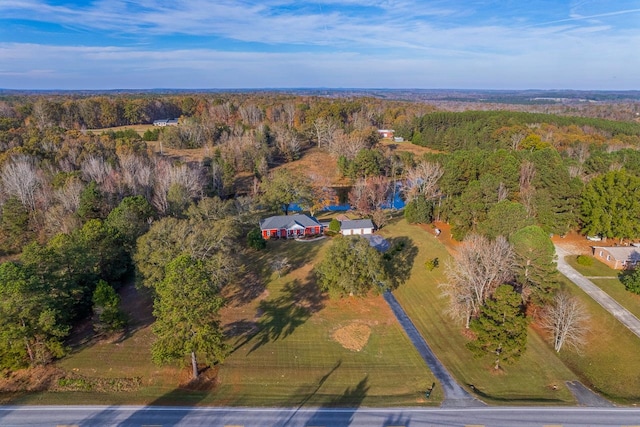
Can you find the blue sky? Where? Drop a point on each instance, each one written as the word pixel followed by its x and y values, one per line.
pixel 458 44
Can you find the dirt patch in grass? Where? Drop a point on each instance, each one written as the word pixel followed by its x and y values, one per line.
pixel 39 378
pixel 207 379
pixel 353 337
pixel 577 243
pixel 417 150
pixel 318 163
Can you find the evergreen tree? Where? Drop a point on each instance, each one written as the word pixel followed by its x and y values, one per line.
pixel 106 305
pixel 501 328
pixel 186 308
pixel 535 265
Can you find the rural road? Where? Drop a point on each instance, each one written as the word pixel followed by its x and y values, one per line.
pixel 601 297
pixel 125 416
pixel 454 395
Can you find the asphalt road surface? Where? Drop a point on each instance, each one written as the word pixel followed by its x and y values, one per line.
pixel 49 416
pixel 601 297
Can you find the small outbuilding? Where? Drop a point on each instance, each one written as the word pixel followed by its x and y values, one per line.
pixel 618 257
pixel 356 226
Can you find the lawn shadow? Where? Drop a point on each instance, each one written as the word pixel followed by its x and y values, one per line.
pixel 399 260
pixel 281 316
pixel 251 287
pixel 349 401
pixel 137 306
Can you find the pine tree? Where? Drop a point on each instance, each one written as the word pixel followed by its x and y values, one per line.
pixel 501 328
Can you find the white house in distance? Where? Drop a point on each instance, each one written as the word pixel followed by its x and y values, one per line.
pixel 289 226
pixel 165 122
pixel 353 227
pixel 386 133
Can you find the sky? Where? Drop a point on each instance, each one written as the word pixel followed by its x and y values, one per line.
pixel 247 44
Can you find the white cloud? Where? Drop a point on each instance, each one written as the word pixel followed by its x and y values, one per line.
pixel 66 67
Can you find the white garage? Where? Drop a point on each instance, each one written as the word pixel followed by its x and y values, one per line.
pixel 356 227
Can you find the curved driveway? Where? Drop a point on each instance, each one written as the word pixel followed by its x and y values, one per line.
pixel 601 297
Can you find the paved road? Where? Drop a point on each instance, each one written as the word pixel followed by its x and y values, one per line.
pixel 125 416
pixel 601 297
pixel 454 395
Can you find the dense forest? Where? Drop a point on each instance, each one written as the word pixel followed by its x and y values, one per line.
pixel 84 209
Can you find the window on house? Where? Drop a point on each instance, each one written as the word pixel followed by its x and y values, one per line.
pixel 608 258
pixel 601 254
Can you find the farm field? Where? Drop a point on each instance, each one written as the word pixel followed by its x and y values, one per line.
pixel 291 346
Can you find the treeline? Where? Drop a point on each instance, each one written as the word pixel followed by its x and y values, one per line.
pixel 502 129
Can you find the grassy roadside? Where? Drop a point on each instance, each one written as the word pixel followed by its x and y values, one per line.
pixel 291 347
pixel 608 282
pixel 607 363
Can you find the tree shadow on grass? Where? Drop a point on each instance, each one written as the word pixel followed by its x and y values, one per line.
pixel 399 260
pixel 281 316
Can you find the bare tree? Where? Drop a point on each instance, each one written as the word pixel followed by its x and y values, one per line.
pixel 136 173
pixel 423 180
pixel 288 144
pixel 20 179
pixel 190 179
pixel 567 320
pixel 251 114
pixel 290 113
pixel 479 267
pixel 369 194
pixel 69 195
pixel 96 169
pixel 280 265
pixel 325 129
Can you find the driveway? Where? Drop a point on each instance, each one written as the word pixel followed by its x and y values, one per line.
pixel 601 297
pixel 454 395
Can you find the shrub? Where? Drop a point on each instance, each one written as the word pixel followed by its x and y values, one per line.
pixel 631 281
pixel 585 260
pixel 432 264
pixel 255 240
pixel 419 210
pixel 334 225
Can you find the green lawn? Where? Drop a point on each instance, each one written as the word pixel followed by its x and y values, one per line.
pixel 609 361
pixel 287 355
pixel 597 269
pixel 613 372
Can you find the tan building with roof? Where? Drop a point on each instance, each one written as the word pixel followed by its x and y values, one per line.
pixel 618 257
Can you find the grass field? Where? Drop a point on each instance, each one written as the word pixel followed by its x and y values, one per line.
pixel 290 347
pixel 530 381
